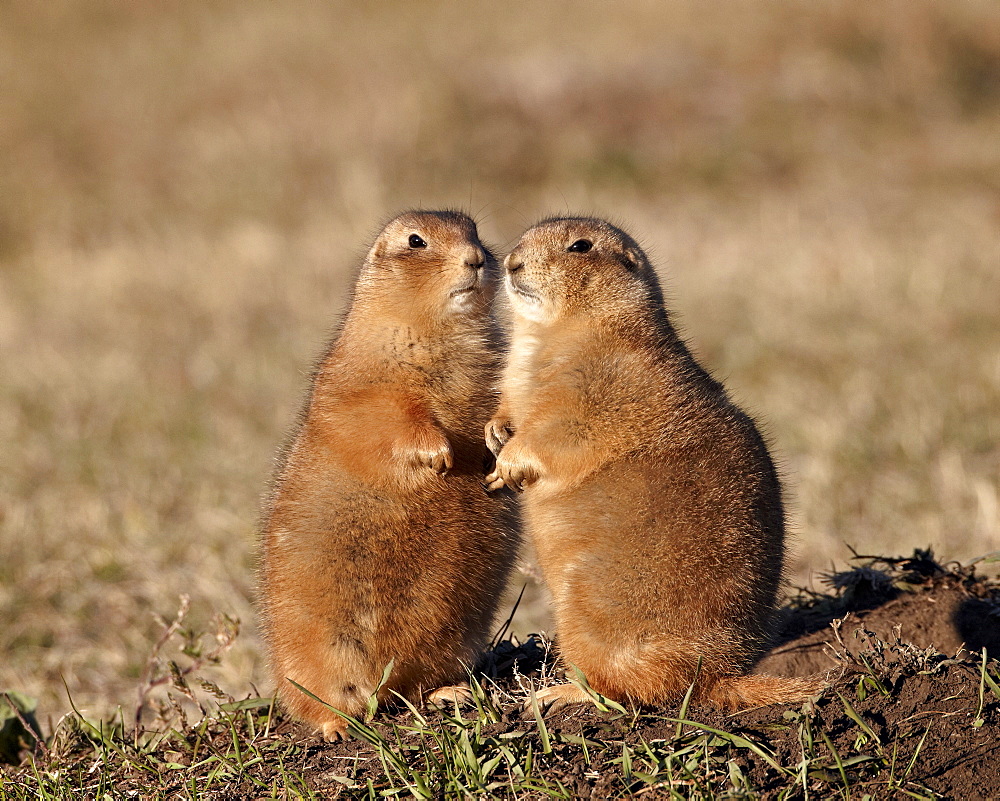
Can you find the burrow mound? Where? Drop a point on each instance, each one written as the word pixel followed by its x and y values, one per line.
pixel 914 599
pixel 912 710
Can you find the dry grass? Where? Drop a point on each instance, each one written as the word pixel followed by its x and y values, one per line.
pixel 185 187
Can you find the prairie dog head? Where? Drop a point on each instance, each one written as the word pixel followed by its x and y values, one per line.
pixel 430 263
pixel 563 267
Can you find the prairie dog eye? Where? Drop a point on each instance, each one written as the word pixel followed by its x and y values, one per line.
pixel 580 246
pixel 417 242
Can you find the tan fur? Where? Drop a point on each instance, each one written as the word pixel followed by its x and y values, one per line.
pixel 650 497
pixel 379 542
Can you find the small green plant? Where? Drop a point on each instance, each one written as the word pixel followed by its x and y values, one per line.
pixel 986 680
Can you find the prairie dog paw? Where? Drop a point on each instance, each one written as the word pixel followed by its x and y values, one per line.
pixel 430 449
pixel 334 730
pixel 498 433
pixel 440 460
pixel 558 696
pixel 516 468
pixel 455 694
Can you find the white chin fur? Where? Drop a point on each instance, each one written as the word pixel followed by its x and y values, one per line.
pixel 524 306
pixel 462 301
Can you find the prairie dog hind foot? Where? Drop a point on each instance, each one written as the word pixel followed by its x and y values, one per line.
pixel 455 694
pixel 334 730
pixel 558 696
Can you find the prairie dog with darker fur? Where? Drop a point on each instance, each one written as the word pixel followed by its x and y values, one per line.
pixel 379 543
pixel 650 497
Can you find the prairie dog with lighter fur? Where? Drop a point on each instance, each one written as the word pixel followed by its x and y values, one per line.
pixel 650 497
pixel 379 543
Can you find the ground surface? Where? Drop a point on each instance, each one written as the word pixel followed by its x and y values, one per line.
pixel 908 714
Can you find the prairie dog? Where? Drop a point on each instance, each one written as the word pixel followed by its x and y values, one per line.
pixel 379 543
pixel 651 500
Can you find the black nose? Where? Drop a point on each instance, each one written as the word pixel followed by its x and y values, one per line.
pixel 514 265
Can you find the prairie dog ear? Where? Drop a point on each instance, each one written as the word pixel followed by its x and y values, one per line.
pixel 632 259
pixel 378 249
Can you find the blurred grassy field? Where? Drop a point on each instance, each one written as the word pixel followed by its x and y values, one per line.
pixel 185 188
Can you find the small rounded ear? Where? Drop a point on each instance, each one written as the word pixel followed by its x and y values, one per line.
pixel 632 259
pixel 378 249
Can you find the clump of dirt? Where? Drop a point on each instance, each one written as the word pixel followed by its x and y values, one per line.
pixel 914 599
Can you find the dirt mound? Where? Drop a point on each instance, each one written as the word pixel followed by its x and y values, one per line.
pixel 913 708
pixel 908 713
pixel 914 600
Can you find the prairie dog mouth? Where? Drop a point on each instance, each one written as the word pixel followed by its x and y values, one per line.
pixel 521 291
pixel 464 298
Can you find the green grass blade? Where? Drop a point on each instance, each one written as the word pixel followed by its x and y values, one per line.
pixel 373 698
pixel 738 741
pixel 687 698
pixel 603 703
pixel 840 765
pixel 916 753
pixel 543 731
pixel 853 715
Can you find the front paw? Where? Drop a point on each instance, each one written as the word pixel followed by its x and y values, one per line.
pixel 429 449
pixel 439 460
pixel 498 432
pixel 515 468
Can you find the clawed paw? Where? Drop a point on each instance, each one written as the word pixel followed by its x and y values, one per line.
pixel 551 699
pixel 427 449
pixel 498 433
pixel 439 460
pixel 515 468
pixel 454 694
pixel 334 730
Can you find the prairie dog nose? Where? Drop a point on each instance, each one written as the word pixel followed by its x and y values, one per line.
pixel 512 263
pixel 475 257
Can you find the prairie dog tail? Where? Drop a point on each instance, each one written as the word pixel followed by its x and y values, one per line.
pixel 745 692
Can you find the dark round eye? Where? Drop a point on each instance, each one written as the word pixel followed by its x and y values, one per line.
pixel 417 242
pixel 580 246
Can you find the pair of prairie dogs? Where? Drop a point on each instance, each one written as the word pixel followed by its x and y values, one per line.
pixel 652 503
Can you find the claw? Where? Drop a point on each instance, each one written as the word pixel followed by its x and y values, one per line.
pixel 554 698
pixel 456 694
pixel 439 461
